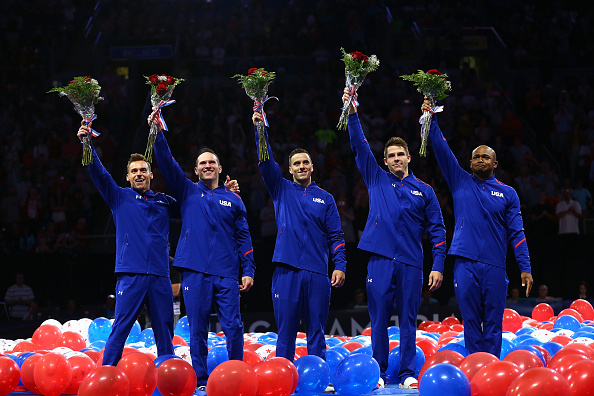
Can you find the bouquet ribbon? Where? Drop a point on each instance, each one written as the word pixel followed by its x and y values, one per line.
pixel 436 109
pixel 259 106
pixel 157 111
pixel 87 121
pixel 352 91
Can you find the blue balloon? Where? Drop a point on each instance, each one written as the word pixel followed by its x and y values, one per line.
pixel 272 334
pixel 396 337
pixel 162 358
pixel 182 328
pixel 552 347
pixel 567 322
pixel 99 329
pixel 535 351
pixel 435 336
pixel 394 363
pixel 364 350
pixel 148 336
pixel 582 333
pixel 529 341
pixel 332 341
pixel 525 330
pixel 217 355
pixel 134 335
pixel 519 339
pixel 314 375
pixel 334 356
pixel 506 347
pixel 98 345
pixel 589 329
pixel 444 379
pixel 393 330
pixel 454 346
pixel 356 375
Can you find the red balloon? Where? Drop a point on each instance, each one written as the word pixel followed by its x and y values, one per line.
pixel 447 334
pixel 178 340
pixel 572 312
pixel 52 374
pixel 424 324
pixel 106 381
pixel 545 326
pixel 539 381
pixel 393 344
pixel 562 364
pixel 443 341
pixel 27 373
pixel 561 339
pixel 72 340
pixel 450 320
pixel 457 327
pixel 428 347
pixel 46 336
pixel 253 347
pixel 301 334
pixel 301 350
pixel 472 363
pixel 545 354
pixel 25 346
pixel 81 367
pixel 93 354
pixel 494 379
pixel 437 328
pixel 251 357
pixel 274 378
pixel 511 320
pixel 445 356
pixel 293 369
pixel 581 378
pixel 9 375
pixel 141 373
pixel 366 332
pixel 352 345
pixel 232 378
pixel 587 349
pixel 567 351
pixel 525 360
pixel 584 308
pixel 176 377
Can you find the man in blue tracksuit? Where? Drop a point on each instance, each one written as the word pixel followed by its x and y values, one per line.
pixel 401 209
pixel 488 218
pixel 141 219
pixel 308 227
pixel 214 244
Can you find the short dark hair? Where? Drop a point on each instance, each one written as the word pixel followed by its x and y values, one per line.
pixel 395 141
pixel 298 151
pixel 137 157
pixel 207 150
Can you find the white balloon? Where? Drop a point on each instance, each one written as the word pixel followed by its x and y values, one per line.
pixel 265 350
pixel 566 332
pixel 542 335
pixel 53 322
pixel 582 340
pixel 62 350
pixel 184 353
pixel 70 354
pixel 508 335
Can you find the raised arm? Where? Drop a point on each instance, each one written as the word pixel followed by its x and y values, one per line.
pixel 172 173
pixel 271 172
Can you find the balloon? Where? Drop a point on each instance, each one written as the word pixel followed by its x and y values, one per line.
pixel 27 373
pixel 580 376
pixel 351 346
pixel 366 332
pixel 539 381
pixel 561 339
pixel 46 336
pixel 148 336
pixel 571 312
pixel 444 379
pixel 182 328
pixel 9 375
pixel 584 308
pixel 81 367
pixel 314 375
pixel 72 340
pixel 105 381
pixel 542 312
pixel 99 330
pixel 511 320
pixel 52 374
pixel 25 346
pixel 251 357
pixel 450 320
pixel 445 356
pixel 159 360
pixel 176 377
pixel 134 335
pixel 562 364
pixel 428 347
pixel 141 373
pixel 254 346
pixel 93 354
pixel 545 354
pixel 357 374
pixel 232 378
pixel 525 360
pixel 472 363
pixel 274 378
pixel 334 356
pixel 533 350
pixel 179 340
pixel 394 363
pixel 217 355
pixel 291 367
pixel 567 322
pixel 506 347
pixel 587 349
pixel 552 347
pixel 494 379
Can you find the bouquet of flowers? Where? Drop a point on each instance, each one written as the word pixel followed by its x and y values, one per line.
pixel 256 87
pixel 83 92
pixel 356 67
pixel 161 90
pixel 433 84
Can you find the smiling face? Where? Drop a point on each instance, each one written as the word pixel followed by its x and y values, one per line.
pixel 139 175
pixel 208 168
pixel 483 162
pixel 397 160
pixel 301 168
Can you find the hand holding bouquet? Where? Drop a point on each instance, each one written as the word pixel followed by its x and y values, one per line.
pixel 161 90
pixel 83 92
pixel 256 85
pixel 356 67
pixel 433 84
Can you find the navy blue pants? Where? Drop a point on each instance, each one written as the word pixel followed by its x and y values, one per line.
pixel 200 291
pixel 390 281
pixel 300 294
pixel 481 290
pixel 132 292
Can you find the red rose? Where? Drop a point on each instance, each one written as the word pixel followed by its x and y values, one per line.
pixel 434 71
pixel 161 89
pixel 252 70
pixel 264 72
pixel 358 55
pixel 170 80
pixel 153 79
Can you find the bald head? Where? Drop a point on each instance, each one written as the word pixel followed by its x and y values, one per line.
pixel 483 162
pixel 488 149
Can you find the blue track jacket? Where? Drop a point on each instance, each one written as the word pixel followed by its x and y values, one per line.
pixel 307 221
pixel 487 213
pixel 399 210
pixel 141 222
pixel 215 237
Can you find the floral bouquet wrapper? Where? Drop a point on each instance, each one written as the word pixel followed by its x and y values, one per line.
pixel 162 87
pixel 432 84
pixel 255 84
pixel 83 92
pixel 356 67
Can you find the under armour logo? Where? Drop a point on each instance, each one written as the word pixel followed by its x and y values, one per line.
pixel 187 288
pixel 138 196
pixel 276 296
pixel 120 293
pixel 202 195
pixel 394 185
pixel 369 280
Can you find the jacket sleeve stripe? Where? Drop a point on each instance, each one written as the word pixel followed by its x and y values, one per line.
pixel 519 243
pixel 248 252
pixel 337 246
